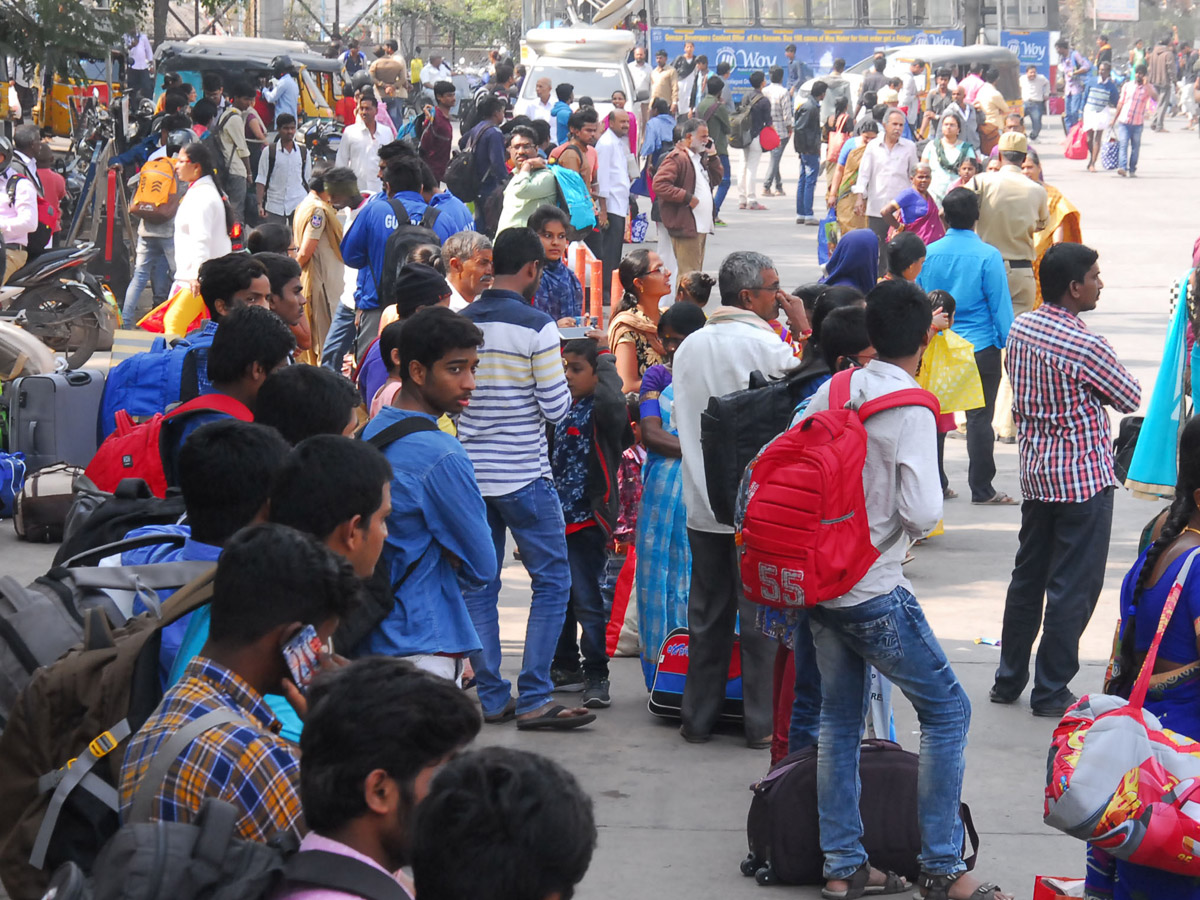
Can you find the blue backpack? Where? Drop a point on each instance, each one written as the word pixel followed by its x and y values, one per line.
pixel 149 382
pixel 574 198
pixel 12 479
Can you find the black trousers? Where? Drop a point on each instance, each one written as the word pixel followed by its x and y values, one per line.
pixel 981 439
pixel 880 227
pixel 1061 558
pixel 713 606
pixel 612 243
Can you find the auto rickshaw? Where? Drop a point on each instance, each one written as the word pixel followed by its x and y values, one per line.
pixel 959 61
pixel 251 58
pixel 61 101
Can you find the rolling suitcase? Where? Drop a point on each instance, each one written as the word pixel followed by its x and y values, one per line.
pixel 52 418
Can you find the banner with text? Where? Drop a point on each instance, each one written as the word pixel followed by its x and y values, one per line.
pixel 1032 48
pixel 749 49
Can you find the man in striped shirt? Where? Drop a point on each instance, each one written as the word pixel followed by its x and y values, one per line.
pixel 1063 375
pixel 520 387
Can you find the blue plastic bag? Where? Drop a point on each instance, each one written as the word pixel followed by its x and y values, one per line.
pixel 827 235
pixel 12 479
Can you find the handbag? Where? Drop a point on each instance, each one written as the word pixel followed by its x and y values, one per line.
pixel 768 139
pixel 1077 143
pixel 1110 151
pixel 1120 781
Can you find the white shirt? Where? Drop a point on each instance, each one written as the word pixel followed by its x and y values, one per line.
pixel 1035 91
pixel 431 74
pixel 535 109
pixel 612 172
pixel 360 151
pixel 140 54
pixel 703 211
pixel 457 302
pixel 884 174
pixel 20 219
pixel 200 231
pixel 348 216
pixel 287 186
pixel 641 78
pixel 908 93
pixel 712 362
pixel 902 487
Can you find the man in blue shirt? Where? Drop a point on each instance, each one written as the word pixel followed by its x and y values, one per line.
pixel 487 142
pixel 438 535
pixel 973 272
pixel 365 244
pixel 283 92
pixel 561 111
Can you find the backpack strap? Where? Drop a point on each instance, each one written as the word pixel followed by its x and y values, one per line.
pixel 839 389
pixel 409 425
pixel 94 555
pixel 336 872
pixel 897 399
pixel 213 403
pixel 169 751
pixel 271 165
pixel 430 216
pixel 402 217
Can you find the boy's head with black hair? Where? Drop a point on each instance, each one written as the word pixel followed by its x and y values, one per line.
pixel 905 256
pixel 944 301
pixel 232 281
pixel 338 490
pixel 580 357
pixel 269 237
pixel 377 732
pixel 302 401
pixel 287 295
pixel 898 320
pixel 250 344
pixel 270 582
pixel 521 819
pixel 844 338
pixel 225 470
pixel 438 353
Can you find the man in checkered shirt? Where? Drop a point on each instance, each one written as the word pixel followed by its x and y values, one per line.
pixel 1063 375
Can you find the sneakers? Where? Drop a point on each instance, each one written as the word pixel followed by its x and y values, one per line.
pixel 595 694
pixel 812 220
pixel 801 220
pixel 567 680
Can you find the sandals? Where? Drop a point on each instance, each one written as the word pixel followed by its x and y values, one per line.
pixel 858 886
pixel 997 499
pixel 937 887
pixel 754 204
pixel 505 715
pixel 553 720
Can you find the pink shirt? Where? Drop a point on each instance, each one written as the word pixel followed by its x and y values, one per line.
pixel 384 396
pixel 313 841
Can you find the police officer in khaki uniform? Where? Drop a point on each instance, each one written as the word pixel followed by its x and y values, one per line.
pixel 1012 208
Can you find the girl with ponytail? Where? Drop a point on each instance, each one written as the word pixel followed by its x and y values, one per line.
pixel 633 332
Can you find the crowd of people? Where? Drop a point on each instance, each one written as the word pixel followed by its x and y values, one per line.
pixel 451 335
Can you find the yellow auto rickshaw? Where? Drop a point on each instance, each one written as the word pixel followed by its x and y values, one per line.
pixel 61 101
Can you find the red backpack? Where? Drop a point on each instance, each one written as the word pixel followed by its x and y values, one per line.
pixel 135 450
pixel 804 535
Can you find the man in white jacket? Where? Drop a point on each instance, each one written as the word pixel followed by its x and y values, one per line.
pixel 714 361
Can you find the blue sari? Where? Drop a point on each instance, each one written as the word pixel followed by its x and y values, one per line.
pixel 664 558
pixel 1152 471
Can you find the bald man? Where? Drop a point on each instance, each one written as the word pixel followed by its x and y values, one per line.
pixel 538 107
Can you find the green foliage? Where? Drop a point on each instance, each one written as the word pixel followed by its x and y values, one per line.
pixel 57 33
pixel 471 22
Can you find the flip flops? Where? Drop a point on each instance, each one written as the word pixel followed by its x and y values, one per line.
pixel 505 715
pixel 550 720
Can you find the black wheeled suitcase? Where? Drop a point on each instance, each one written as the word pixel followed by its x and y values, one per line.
pixel 782 827
pixel 52 418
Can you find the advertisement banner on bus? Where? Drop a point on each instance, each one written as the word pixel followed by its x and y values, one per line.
pixel 1033 48
pixel 749 49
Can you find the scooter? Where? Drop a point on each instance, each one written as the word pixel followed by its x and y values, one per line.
pixel 59 302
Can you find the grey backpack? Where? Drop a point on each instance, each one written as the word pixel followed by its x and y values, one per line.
pixel 39 622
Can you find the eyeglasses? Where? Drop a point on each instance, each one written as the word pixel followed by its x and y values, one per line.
pixel 553 238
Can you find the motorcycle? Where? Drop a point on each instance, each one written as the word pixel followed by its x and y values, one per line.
pixel 66 307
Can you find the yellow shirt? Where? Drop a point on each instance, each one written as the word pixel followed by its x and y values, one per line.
pixel 415 65
pixel 664 83
pixel 1012 209
pixel 992 103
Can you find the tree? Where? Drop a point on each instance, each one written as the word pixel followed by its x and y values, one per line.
pixel 58 34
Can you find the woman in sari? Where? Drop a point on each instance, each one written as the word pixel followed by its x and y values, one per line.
pixel 915 209
pixel 946 155
pixel 1174 695
pixel 855 261
pixel 1064 221
pixel 845 174
pixel 633 331
pixel 664 562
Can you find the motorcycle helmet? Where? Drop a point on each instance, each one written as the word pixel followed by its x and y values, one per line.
pixel 361 80
pixel 177 140
pixel 281 64
pixel 322 138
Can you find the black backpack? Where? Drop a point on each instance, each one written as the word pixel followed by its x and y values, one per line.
pixel 735 427
pixel 97 517
pixel 462 176
pixel 176 861
pixel 400 243
pixel 221 150
pixel 782 827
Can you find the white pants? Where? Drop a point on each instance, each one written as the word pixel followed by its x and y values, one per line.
pixel 447 667
pixel 746 181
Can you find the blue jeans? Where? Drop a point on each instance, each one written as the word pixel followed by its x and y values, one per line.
pixel 890 633
pixel 339 340
pixel 723 188
pixel 587 558
pixel 1130 138
pixel 155 262
pixel 534 516
pixel 1036 109
pixel 773 176
pixel 1073 110
pixel 810 165
pixel 806 705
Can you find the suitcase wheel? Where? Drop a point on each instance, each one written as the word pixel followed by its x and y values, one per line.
pixel 766 876
pixel 750 865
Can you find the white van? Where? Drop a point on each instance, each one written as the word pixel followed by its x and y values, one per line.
pixel 592 60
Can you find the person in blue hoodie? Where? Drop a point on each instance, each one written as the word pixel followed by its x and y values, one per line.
pixel 561 111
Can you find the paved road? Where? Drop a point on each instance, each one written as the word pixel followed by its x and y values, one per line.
pixel 672 815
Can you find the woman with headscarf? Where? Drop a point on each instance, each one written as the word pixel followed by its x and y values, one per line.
pixel 855 261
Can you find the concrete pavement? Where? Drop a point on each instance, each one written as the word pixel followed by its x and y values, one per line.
pixel 672 815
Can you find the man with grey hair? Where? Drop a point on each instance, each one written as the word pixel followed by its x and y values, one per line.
pixel 712 362
pixel 684 187
pixel 468 259
pixel 883 175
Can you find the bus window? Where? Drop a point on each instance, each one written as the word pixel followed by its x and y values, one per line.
pixel 680 12
pixel 784 12
pixel 729 12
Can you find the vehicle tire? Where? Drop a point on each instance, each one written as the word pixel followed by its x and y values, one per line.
pixel 76 337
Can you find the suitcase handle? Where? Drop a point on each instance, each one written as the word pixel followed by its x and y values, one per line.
pixel 32 435
pixel 78 378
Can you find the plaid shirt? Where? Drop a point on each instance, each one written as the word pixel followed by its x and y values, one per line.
pixel 1062 376
pixel 249 765
pixel 1134 97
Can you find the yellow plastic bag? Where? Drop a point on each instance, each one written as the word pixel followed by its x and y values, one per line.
pixel 948 370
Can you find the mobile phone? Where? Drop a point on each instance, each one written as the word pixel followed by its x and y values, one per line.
pixel 302 653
